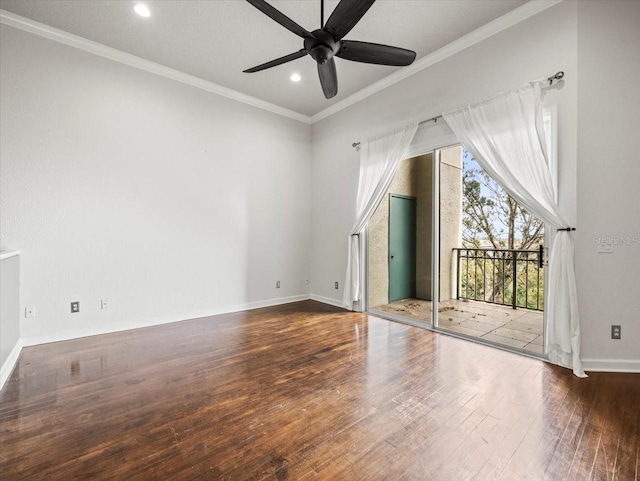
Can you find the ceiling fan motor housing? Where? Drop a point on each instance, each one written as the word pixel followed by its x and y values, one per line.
pixel 321 46
pixel 326 42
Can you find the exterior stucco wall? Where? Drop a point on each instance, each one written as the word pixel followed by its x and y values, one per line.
pixel 413 178
pixel 450 218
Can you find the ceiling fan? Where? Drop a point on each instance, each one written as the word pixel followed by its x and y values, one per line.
pixel 326 42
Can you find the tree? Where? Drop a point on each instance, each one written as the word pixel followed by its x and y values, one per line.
pixel 492 217
pixel 494 222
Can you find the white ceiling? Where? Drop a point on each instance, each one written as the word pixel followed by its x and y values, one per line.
pixel 216 40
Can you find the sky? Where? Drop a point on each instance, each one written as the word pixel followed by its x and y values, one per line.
pixel 469 163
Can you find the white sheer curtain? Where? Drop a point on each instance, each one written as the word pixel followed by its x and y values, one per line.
pixel 379 160
pixel 505 134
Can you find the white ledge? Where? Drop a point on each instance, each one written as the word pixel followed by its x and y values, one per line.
pixel 6 254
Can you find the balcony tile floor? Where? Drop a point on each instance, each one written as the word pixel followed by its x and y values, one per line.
pixel 519 328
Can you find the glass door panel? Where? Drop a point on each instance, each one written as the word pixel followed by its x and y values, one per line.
pixel 491 271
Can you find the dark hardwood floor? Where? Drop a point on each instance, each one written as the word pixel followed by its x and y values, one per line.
pixel 308 392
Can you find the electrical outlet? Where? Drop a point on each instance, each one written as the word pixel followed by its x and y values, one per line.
pixel 616 332
pixel 104 304
pixel 277 284
pixel 75 306
pixel 29 312
pixel 336 284
pixel 306 282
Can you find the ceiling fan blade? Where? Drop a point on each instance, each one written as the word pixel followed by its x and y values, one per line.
pixel 280 17
pixel 279 61
pixel 345 16
pixel 375 53
pixel 328 78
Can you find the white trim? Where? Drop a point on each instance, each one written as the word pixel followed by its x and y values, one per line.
pixel 510 19
pixel 611 365
pixel 76 333
pixel 267 303
pixel 10 363
pixel 96 48
pixel 5 255
pixel 327 300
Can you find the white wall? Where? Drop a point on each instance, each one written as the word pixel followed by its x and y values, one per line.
pixel 598 107
pixel 598 169
pixel 535 48
pixel 171 202
pixel 176 203
pixel 609 177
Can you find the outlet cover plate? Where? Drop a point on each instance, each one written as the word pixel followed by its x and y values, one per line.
pixel 616 331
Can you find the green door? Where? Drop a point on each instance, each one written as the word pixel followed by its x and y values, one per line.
pixel 402 247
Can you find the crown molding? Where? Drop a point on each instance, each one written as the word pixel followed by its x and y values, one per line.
pixel 510 19
pixel 529 9
pixel 57 35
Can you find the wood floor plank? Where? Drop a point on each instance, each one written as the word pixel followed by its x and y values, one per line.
pixel 306 391
pixel 626 460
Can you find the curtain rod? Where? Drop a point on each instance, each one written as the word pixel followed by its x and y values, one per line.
pixel 556 76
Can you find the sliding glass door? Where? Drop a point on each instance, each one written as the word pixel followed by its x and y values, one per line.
pixel 448 249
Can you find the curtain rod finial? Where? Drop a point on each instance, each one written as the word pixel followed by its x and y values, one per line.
pixel 559 75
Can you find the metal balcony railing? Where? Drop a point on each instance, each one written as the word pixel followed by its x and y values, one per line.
pixel 508 277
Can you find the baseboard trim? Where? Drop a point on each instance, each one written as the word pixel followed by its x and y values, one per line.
pixel 327 300
pixel 268 303
pixel 611 365
pixel 592 365
pixel 68 335
pixel 10 363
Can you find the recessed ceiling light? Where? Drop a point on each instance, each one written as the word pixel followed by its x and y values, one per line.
pixel 295 77
pixel 142 10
